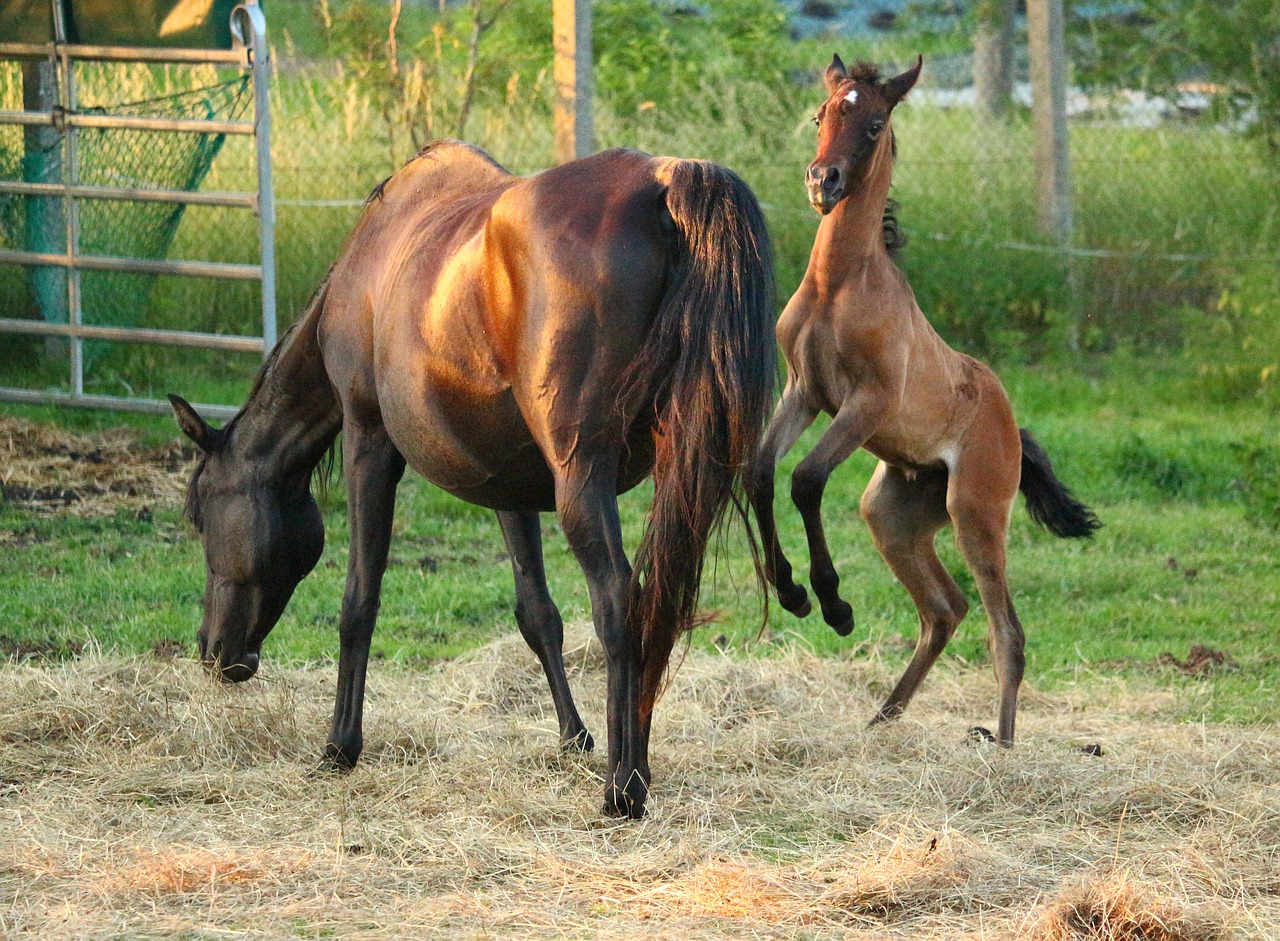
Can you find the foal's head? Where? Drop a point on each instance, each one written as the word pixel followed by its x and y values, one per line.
pixel 851 123
pixel 261 534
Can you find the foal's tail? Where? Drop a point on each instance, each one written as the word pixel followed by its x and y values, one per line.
pixel 708 362
pixel 1049 501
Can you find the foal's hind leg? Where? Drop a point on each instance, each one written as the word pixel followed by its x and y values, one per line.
pixel 789 421
pixel 979 497
pixel 904 515
pixel 540 621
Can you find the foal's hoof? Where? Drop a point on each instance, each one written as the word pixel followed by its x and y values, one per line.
pixel 796 600
pixel 582 742
pixel 840 617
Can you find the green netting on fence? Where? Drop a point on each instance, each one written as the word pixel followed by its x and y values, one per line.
pixel 116 158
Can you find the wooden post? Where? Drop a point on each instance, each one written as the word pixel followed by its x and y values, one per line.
pixel 1047 46
pixel 571 26
pixel 993 57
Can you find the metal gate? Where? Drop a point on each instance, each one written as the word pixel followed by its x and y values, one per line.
pixel 249 52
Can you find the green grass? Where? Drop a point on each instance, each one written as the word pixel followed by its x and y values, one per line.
pixel 1178 563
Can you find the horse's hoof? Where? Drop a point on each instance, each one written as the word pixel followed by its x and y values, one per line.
pixel 336 761
pixel 627 800
pixel 840 617
pixel 979 734
pixel 795 600
pixel 626 810
pixel 582 742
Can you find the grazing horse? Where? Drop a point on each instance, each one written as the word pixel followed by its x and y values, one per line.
pixel 858 348
pixel 527 344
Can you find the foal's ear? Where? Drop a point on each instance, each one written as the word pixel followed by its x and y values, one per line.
pixel 897 87
pixel 193 426
pixel 835 74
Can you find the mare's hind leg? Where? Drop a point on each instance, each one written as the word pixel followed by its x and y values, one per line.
pixel 904 515
pixel 849 430
pixel 373 467
pixel 539 619
pixel 587 503
pixel 790 419
pixel 980 495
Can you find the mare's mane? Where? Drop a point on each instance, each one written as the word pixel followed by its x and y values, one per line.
pixel 324 471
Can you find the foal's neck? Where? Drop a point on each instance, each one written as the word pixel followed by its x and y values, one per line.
pixel 292 415
pixel 851 236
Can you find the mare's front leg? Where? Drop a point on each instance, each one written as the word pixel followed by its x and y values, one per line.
pixel 539 620
pixel 849 430
pixel 373 467
pixel 587 504
pixel 790 419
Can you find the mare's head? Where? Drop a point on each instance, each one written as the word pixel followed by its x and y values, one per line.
pixel 851 125
pixel 261 534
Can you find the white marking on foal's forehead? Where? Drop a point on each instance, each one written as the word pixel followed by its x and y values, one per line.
pixel 852 97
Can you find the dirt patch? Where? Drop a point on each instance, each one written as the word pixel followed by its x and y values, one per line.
pixel 13 649
pixel 47 469
pixel 156 803
pixel 1201 660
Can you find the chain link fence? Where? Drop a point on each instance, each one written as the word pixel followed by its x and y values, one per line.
pixel 1171 208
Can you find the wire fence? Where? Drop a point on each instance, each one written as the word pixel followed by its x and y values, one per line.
pixel 1171 209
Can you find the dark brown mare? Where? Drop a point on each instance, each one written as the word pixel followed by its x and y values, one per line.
pixel 528 344
pixel 858 348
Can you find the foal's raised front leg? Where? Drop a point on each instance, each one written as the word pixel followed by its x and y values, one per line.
pixel 587 504
pixel 790 419
pixel 373 467
pixel 539 619
pixel 854 423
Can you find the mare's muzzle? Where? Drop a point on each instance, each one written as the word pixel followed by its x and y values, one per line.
pixel 825 185
pixel 226 665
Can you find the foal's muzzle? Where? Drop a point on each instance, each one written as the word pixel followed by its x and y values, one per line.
pixel 825 185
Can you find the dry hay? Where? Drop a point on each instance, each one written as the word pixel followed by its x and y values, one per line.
pixel 45 468
pixel 140 800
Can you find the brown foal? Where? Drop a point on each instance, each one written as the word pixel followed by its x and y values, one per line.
pixel 858 348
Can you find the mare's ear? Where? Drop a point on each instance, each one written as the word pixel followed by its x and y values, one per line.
pixel 835 74
pixel 193 426
pixel 897 87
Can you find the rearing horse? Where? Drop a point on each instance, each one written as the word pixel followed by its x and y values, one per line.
pixel 527 344
pixel 858 348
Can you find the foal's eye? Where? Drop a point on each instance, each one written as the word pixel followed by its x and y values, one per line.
pixel 817 121
pixel 873 131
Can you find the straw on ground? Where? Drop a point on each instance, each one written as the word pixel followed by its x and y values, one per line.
pixel 138 799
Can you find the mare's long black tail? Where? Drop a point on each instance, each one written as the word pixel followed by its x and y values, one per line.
pixel 710 358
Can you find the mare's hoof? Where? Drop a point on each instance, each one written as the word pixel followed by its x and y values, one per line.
pixel 616 806
pixel 582 742
pixel 840 617
pixel 627 800
pixel 336 761
pixel 796 600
